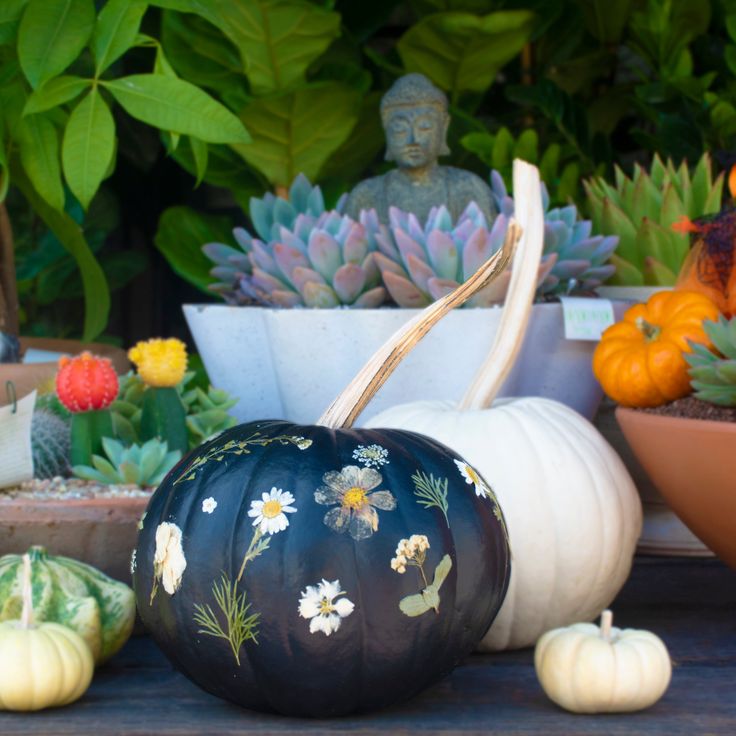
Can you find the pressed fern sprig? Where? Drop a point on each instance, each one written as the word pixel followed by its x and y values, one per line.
pixel 431 491
pixel 240 626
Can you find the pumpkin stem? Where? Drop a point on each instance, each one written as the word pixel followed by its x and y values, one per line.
pixel 651 332
pixel 346 408
pixel 520 296
pixel 606 623
pixel 26 616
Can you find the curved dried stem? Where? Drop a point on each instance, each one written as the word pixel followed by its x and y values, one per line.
pixel 520 298
pixel 346 408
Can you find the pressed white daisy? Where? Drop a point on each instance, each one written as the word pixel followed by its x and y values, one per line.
pixel 471 477
pixel 319 605
pixel 372 456
pixel 209 505
pixel 269 514
pixel 169 562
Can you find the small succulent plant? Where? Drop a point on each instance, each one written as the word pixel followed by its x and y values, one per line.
pixel 207 414
pixel 642 209
pixel 141 465
pixel 579 259
pixel 51 440
pixel 713 372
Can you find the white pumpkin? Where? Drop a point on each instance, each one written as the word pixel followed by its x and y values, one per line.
pixel 571 508
pixel 586 669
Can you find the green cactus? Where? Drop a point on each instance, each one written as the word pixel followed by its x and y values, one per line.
pixel 142 465
pixel 641 211
pixel 51 444
pixel 713 372
pixel 207 413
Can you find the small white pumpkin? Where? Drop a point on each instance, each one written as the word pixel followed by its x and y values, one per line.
pixel 40 666
pixel 571 508
pixel 587 669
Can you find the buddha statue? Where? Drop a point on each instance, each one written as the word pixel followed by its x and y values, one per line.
pixel 415 120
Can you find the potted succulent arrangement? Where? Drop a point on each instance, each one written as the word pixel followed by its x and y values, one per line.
pixel 100 443
pixel 315 283
pixel 669 364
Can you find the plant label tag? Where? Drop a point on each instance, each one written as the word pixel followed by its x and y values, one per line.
pixel 586 318
pixel 16 458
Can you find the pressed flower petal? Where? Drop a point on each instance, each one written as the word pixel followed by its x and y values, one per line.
pixel 258 520
pixel 338 519
pixel 383 500
pixel 333 623
pixel 363 523
pixel 352 476
pixel 344 607
pixel 369 478
pixel 289 509
pixel 315 624
pixel 265 496
pixel 309 607
pixel 328 496
pixel 336 480
pixel 286 498
pixel 328 589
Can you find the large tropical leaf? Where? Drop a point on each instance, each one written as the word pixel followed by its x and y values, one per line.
pixel 178 106
pixel 180 236
pixel 462 51
pixel 39 154
pixel 69 233
pixel 277 39
pixel 55 92
pixel 116 31
pixel 52 34
pixel 88 147
pixel 298 131
pixel 10 11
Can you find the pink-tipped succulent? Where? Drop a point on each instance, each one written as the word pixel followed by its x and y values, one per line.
pixel 306 256
pixel 420 264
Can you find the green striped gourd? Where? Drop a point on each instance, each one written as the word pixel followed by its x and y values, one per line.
pixel 68 592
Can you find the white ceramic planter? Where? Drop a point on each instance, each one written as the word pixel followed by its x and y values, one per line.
pixel 291 363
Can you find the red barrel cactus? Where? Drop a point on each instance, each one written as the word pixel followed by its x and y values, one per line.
pixel 86 383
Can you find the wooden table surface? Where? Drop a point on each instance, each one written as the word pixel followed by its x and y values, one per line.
pixel 691 604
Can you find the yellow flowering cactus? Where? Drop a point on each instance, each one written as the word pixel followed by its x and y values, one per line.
pixel 160 363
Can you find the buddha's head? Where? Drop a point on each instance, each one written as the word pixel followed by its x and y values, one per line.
pixel 415 119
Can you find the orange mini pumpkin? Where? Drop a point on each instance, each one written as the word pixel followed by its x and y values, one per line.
pixel 639 361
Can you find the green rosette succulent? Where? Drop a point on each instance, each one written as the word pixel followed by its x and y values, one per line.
pixel 142 465
pixel 642 209
pixel 713 371
pixel 68 592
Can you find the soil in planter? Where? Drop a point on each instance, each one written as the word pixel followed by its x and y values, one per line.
pixel 692 408
pixel 67 488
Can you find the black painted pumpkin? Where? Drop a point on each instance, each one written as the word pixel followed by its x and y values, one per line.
pixel 320 570
pixel 298 593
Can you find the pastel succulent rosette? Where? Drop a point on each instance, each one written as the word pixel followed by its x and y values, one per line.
pixel 351 490
pixel 324 608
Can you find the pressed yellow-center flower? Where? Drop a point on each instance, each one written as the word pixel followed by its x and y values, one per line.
pixel 474 477
pixel 355 498
pixel 160 363
pixel 271 509
pixel 325 606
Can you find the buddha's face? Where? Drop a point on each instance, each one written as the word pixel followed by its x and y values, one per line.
pixel 415 136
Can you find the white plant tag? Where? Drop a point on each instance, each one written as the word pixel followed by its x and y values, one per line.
pixel 586 318
pixel 16 458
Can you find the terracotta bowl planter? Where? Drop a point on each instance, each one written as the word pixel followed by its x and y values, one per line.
pixel 99 531
pixel 691 462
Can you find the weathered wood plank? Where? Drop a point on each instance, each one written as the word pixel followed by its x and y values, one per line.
pixel 690 603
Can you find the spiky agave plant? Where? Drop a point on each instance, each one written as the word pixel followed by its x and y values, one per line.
pixel 642 209
pixel 713 371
